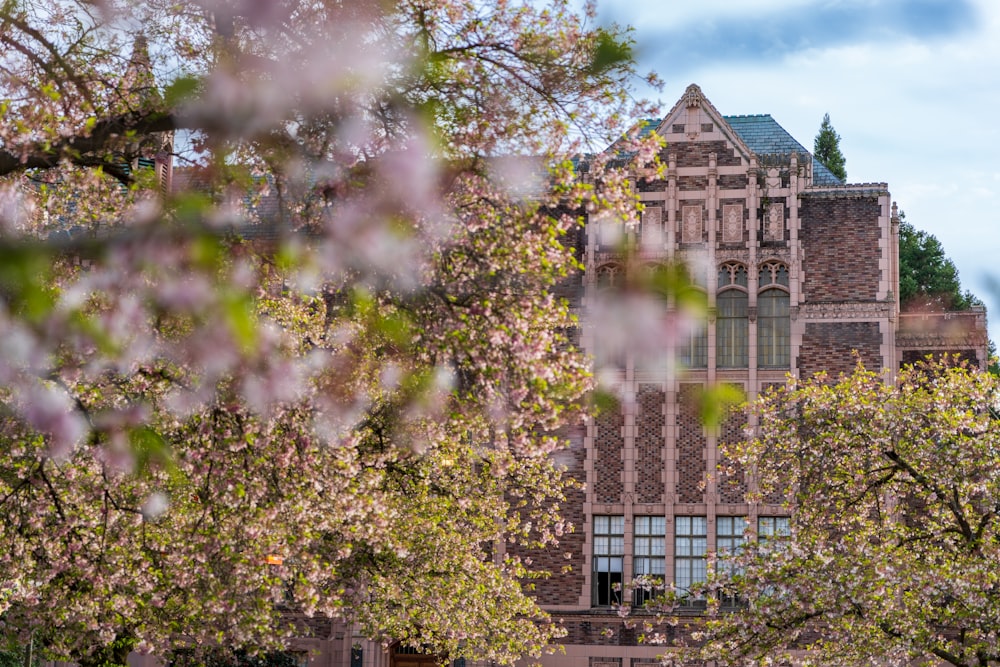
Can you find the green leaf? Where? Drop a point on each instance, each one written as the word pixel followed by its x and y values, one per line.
pixel 240 315
pixel 715 402
pixel 149 448
pixel 604 401
pixel 181 89
pixel 25 281
pixel 190 207
pixel 610 51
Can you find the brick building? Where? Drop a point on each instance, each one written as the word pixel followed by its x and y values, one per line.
pixel 800 271
pixel 801 274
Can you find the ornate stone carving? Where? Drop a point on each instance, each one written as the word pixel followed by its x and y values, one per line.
pixel 652 228
pixel 844 311
pixel 774 225
pixel 691 227
pixel 732 223
pixel 693 96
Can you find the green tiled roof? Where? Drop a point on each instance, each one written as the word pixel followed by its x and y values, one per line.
pixel 764 136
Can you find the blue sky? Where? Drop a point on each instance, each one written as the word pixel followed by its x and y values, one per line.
pixel 912 87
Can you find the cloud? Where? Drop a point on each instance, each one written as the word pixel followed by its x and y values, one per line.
pixel 769 31
pixel 911 86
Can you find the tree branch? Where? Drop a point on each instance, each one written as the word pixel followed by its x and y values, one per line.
pixel 91 149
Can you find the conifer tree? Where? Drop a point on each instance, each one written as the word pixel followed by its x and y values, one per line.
pixel 928 278
pixel 826 149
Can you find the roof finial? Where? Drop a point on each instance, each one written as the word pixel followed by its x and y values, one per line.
pixel 693 96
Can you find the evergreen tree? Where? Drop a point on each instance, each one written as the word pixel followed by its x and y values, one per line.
pixel 928 279
pixel 826 149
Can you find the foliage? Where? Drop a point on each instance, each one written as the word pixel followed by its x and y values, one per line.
pixel 14 654
pixel 826 149
pixel 237 658
pixel 895 536
pixel 325 372
pixel 928 279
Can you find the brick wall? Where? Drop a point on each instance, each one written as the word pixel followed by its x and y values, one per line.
pixel 732 478
pixel 732 182
pixel 690 447
pixel 649 444
pixel 613 631
pixel 840 241
pixel 695 154
pixel 830 346
pixel 566 580
pixel 692 183
pixel 608 467
pixel 775 497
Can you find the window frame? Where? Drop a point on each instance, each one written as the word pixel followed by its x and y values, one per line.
pixel 608 549
pixel 690 553
pixel 730 537
pixel 779 529
pixel 774 326
pixel 774 330
pixel 648 553
pixel 732 328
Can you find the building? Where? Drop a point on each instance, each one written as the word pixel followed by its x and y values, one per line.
pixel 800 271
pixel 801 275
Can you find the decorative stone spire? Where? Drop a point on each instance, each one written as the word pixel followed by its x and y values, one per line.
pixel 139 81
pixel 693 97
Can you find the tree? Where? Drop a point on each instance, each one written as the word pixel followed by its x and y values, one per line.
pixel 349 415
pixel 826 149
pixel 895 534
pixel 928 279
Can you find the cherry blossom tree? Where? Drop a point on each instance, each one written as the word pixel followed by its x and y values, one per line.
pixel 325 370
pixel 895 537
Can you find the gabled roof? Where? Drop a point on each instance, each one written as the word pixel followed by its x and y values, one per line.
pixel 693 97
pixel 764 136
pixel 758 134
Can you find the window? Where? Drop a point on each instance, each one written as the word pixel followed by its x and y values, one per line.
pixel 690 544
pixel 773 322
pixel 609 552
pixel 610 232
pixel 692 352
pixel 609 276
pixel 770 527
pixel 729 537
pixel 732 322
pixel 648 561
pixel 608 347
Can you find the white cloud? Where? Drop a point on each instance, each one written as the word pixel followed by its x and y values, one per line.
pixel 918 115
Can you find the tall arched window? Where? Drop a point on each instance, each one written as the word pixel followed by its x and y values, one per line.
pixel 693 352
pixel 609 276
pixel 608 348
pixel 774 340
pixel 731 320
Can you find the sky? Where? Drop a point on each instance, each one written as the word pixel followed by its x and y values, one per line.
pixel 911 86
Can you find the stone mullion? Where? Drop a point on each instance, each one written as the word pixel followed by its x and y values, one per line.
pixel 794 266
